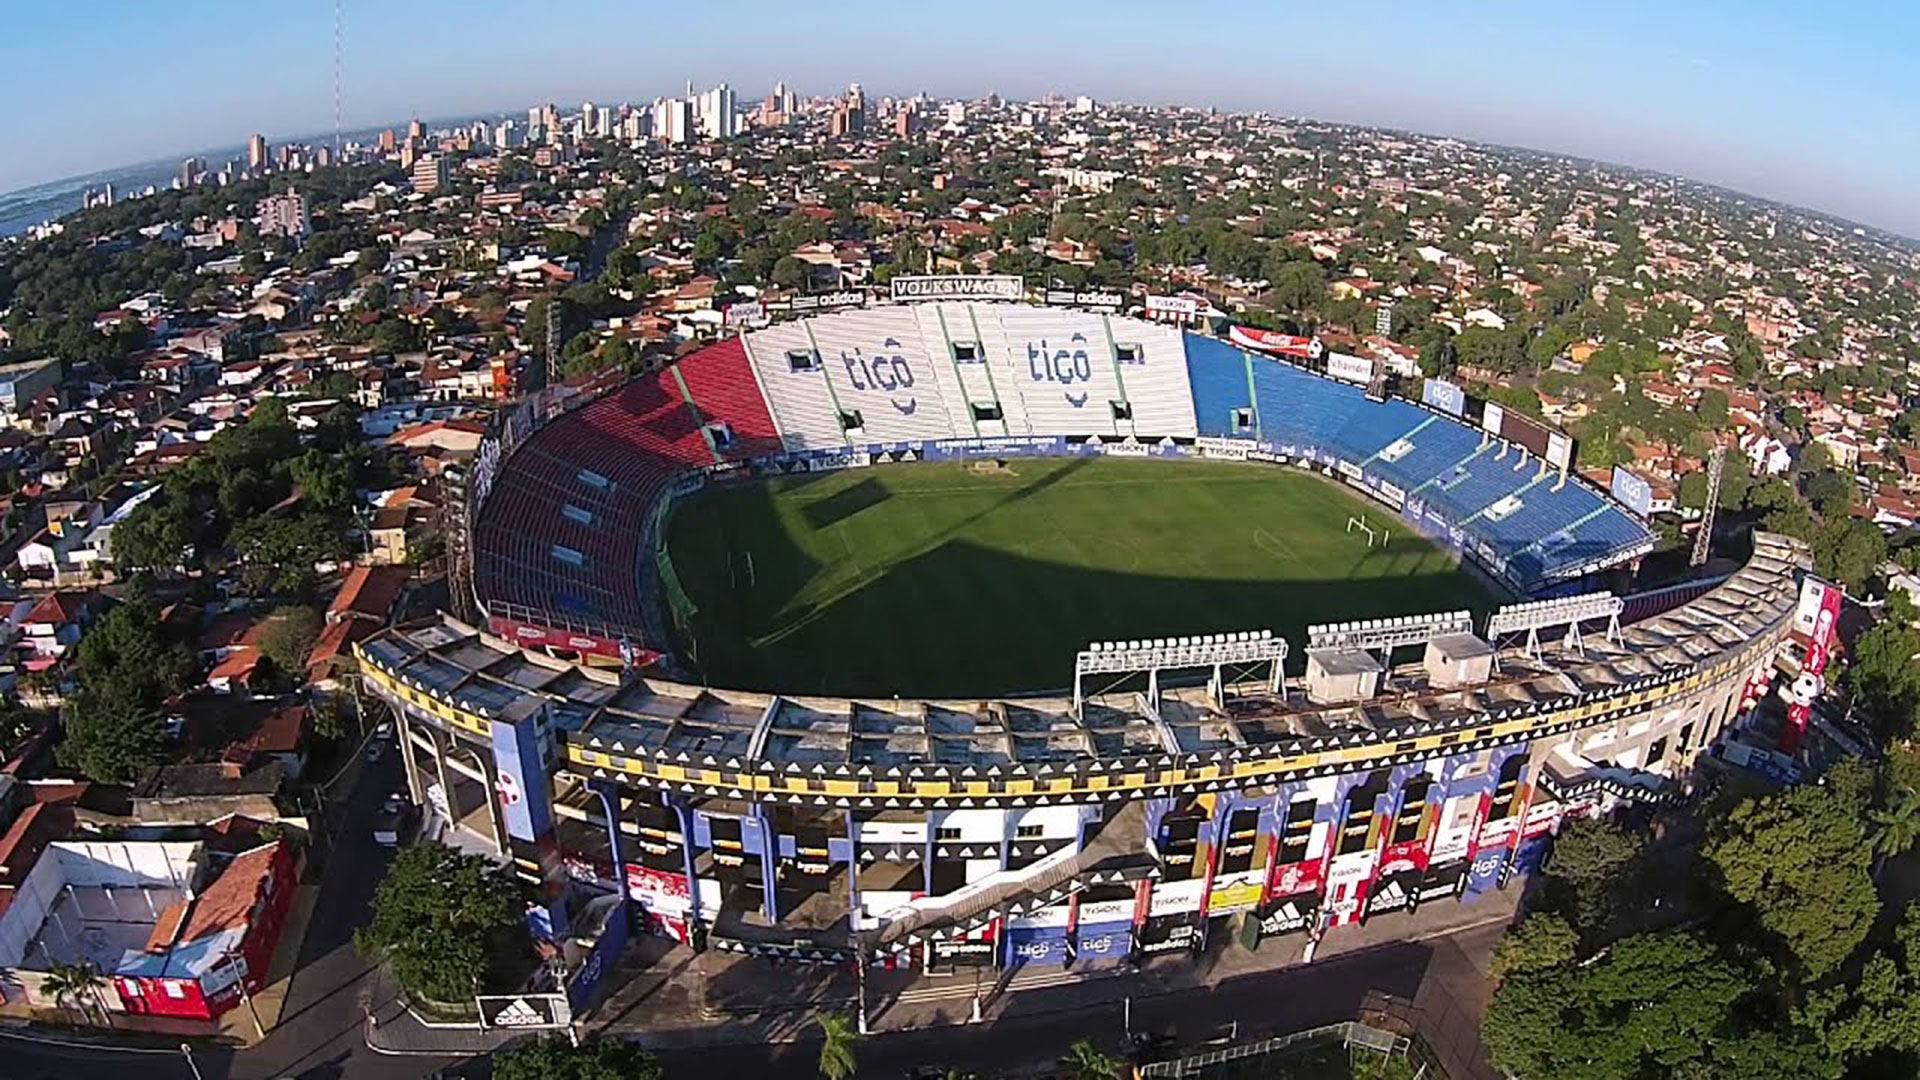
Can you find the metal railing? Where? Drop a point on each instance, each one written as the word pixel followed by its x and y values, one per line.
pixel 1349 1032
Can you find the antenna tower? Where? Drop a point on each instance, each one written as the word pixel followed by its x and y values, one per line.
pixel 337 5
pixel 1702 540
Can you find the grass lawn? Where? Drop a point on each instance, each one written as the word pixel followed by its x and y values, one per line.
pixel 955 580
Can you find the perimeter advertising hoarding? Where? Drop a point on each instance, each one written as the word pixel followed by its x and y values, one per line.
pixel 1268 341
pixel 1632 491
pixel 1349 368
pixel 1492 417
pixel 959 287
pixel 1445 396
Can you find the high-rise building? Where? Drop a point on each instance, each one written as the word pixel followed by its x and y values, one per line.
pixel 716 109
pixel 905 123
pixel 430 174
pixel 673 120
pixel 841 123
pixel 636 125
pixel 388 141
pixel 603 122
pixel 957 114
pixel 256 152
pixel 416 130
pixel 1083 104
pixel 409 152
pixel 856 106
pixel 190 171
pixel 504 135
pixel 322 157
pixel 284 214
pixel 587 114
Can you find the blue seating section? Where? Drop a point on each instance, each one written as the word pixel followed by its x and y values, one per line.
pixel 1447 463
pixel 1217 372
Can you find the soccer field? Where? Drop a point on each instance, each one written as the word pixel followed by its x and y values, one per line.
pixel 960 580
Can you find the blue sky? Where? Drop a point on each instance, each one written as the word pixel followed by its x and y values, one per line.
pixel 1816 104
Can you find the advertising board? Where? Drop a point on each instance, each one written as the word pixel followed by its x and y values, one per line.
pixel 1631 490
pixel 1445 396
pixel 1182 306
pixel 1102 299
pixel 1349 368
pixel 911 288
pixel 1269 341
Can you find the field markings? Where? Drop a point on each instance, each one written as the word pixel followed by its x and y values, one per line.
pixel 1273 545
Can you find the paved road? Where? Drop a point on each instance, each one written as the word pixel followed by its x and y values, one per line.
pixel 1263 1004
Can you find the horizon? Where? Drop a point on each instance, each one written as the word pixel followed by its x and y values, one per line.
pixel 314 138
pixel 1731 97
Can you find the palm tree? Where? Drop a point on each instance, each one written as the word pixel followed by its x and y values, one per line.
pixel 75 986
pixel 1084 1061
pixel 836 1054
pixel 1895 827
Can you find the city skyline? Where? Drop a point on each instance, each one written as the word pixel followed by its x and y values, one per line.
pixel 1735 102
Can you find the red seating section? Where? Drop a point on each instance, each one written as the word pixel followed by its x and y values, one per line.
pixel 722 386
pixel 633 441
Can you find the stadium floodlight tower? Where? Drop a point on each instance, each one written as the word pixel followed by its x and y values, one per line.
pixel 1386 635
pixel 1245 648
pixel 1568 611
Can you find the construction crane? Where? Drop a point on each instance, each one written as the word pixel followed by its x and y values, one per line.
pixel 1703 540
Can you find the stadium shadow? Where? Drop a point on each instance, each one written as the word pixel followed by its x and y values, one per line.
pixel 843 504
pixel 964 620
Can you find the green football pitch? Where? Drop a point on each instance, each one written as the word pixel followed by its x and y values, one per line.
pixel 958 580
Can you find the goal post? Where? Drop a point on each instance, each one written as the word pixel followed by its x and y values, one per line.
pixel 1373 535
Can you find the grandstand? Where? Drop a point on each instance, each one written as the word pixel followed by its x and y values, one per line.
pixel 564 540
pixel 1131 819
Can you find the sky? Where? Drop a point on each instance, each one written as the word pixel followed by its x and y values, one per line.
pixel 1812 104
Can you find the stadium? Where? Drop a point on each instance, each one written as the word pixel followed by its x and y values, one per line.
pixel 774 641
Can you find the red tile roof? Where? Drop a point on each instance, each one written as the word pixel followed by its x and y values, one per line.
pixel 228 903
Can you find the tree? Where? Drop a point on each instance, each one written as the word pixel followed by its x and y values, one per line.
pixel 77 986
pixel 278 553
pixel 109 738
pixel 791 273
pixel 1296 285
pixel 1882 676
pixel 1591 867
pixel 554 1057
pixel 1830 491
pixel 837 1061
pixel 1894 827
pixel 288 638
pixel 327 480
pixel 1799 859
pixel 1878 1011
pixel 1713 407
pixel 1084 1061
pixel 1652 1005
pixel 1544 942
pixel 446 922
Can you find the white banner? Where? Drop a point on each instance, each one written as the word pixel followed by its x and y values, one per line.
pixel 960 287
pixel 1173 305
pixel 1353 369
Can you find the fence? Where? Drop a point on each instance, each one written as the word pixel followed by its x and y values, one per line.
pixel 1350 1033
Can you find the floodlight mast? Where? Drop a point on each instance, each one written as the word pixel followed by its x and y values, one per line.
pixel 1568 611
pixel 1207 650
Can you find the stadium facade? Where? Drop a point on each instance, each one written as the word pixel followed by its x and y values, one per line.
pixel 1041 830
